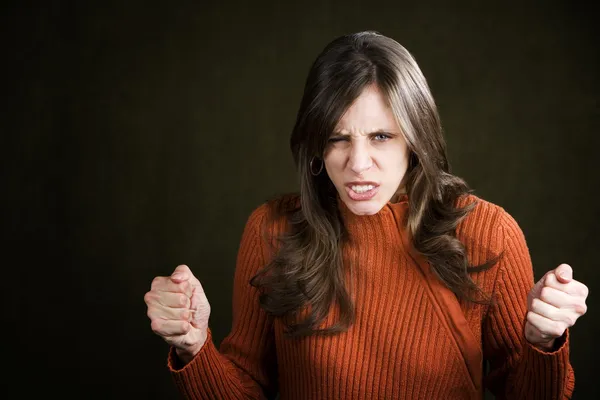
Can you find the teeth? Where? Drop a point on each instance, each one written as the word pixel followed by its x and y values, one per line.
pixel 362 188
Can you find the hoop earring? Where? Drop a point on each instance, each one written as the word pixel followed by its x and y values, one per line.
pixel 312 170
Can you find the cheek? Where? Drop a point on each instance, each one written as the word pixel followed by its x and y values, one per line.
pixel 396 163
pixel 334 163
pixel 402 157
pixel 394 158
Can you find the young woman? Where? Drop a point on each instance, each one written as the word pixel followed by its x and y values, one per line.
pixel 384 278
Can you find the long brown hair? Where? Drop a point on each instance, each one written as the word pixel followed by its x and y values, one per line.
pixel 307 268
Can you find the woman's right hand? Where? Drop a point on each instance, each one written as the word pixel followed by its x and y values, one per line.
pixel 179 310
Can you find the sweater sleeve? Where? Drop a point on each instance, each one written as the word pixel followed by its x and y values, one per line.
pixel 519 370
pixel 244 367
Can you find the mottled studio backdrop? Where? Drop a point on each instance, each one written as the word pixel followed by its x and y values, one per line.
pixel 140 135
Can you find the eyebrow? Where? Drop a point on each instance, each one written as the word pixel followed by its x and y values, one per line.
pixel 387 131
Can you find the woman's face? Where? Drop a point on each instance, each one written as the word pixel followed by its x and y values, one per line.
pixel 366 156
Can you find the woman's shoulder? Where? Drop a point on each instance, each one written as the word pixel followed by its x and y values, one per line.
pixel 272 214
pixel 486 226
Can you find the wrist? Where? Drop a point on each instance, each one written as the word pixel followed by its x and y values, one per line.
pixel 187 354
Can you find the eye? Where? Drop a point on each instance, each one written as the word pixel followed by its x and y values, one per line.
pixel 336 139
pixel 381 137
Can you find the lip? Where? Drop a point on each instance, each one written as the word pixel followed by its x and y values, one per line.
pixel 361 183
pixel 361 196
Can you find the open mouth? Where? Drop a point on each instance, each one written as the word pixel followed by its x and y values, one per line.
pixel 361 191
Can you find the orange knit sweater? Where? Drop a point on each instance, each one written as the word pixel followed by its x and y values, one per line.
pixel 412 339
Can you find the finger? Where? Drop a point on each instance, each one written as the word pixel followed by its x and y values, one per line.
pixel 535 290
pixel 181 273
pixel 548 329
pixel 574 287
pixel 582 289
pixel 556 297
pixel 564 273
pixel 168 299
pixel 170 328
pixel 556 314
pixel 166 284
pixel 166 313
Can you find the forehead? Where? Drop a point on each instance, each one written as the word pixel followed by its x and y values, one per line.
pixel 369 112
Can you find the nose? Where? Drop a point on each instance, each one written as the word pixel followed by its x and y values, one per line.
pixel 359 160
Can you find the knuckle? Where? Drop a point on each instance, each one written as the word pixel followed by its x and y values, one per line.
pixel 545 293
pixel 185 327
pixel 148 297
pixel 156 326
pixel 184 286
pixel 183 300
pixel 182 268
pixel 585 290
pixel 569 320
pixel 156 282
pixel 556 329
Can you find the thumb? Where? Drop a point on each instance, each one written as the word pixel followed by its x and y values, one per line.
pixel 181 273
pixel 564 273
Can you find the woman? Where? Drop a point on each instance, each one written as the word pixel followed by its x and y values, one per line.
pixel 384 278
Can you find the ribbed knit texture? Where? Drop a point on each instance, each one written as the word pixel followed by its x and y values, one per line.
pixel 412 339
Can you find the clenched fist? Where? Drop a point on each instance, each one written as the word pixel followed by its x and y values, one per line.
pixel 554 304
pixel 179 310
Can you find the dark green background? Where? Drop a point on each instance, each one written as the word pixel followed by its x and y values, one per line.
pixel 140 135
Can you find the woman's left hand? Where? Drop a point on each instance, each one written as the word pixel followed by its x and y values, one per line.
pixel 554 304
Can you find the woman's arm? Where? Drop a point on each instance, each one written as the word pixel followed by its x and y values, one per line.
pixel 518 369
pixel 245 367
